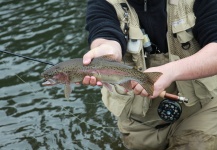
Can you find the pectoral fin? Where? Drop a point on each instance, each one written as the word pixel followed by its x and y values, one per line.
pixel 67 91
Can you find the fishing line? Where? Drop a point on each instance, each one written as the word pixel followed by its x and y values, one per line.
pixel 23 81
pixel 64 109
pixel 20 78
pixel 81 121
pixel 48 63
pixel 26 57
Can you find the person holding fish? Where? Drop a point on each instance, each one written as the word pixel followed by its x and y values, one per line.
pixel 174 37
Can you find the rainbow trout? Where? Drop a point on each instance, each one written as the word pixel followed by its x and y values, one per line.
pixel 107 71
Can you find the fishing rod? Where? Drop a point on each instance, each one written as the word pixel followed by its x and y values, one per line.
pixel 26 57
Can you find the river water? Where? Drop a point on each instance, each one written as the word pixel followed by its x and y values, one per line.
pixel 37 117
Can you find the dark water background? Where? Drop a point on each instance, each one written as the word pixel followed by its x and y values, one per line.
pixel 37 117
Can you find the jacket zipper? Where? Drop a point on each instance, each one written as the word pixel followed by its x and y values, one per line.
pixel 145 5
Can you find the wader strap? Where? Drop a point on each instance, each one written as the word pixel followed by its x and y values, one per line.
pixel 129 23
pixel 126 20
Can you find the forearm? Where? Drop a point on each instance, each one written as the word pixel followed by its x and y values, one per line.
pixel 202 64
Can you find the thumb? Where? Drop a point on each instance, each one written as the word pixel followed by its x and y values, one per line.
pixel 88 57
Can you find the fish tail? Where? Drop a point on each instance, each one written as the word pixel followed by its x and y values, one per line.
pixel 148 80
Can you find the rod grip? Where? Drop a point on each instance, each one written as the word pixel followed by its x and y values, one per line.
pixel 164 94
pixel 169 96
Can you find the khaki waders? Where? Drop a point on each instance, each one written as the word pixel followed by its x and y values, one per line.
pixel 142 128
pixel 138 121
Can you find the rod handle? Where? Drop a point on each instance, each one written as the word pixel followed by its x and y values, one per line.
pixel 164 94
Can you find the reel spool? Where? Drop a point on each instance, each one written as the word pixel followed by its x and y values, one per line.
pixel 169 110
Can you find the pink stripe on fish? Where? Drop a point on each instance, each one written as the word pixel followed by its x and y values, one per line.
pixel 105 72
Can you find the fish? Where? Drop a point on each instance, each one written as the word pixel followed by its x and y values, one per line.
pixel 107 71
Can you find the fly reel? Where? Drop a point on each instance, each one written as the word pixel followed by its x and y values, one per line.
pixel 169 110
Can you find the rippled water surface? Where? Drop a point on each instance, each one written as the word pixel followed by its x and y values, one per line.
pixel 37 117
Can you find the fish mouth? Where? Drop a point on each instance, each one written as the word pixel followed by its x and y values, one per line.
pixel 49 82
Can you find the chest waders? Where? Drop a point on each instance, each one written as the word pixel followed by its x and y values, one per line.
pixel 137 116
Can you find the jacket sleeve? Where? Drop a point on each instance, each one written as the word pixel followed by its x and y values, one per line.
pixel 205 29
pixel 102 22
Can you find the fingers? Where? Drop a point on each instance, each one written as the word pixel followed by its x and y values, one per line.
pixel 91 81
pixel 138 89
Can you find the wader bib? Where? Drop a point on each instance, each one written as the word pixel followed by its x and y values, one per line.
pixel 138 120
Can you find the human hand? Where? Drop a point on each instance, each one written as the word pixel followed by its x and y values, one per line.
pixel 99 48
pixel 164 81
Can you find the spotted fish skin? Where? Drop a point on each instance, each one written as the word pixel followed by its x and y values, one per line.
pixel 106 71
